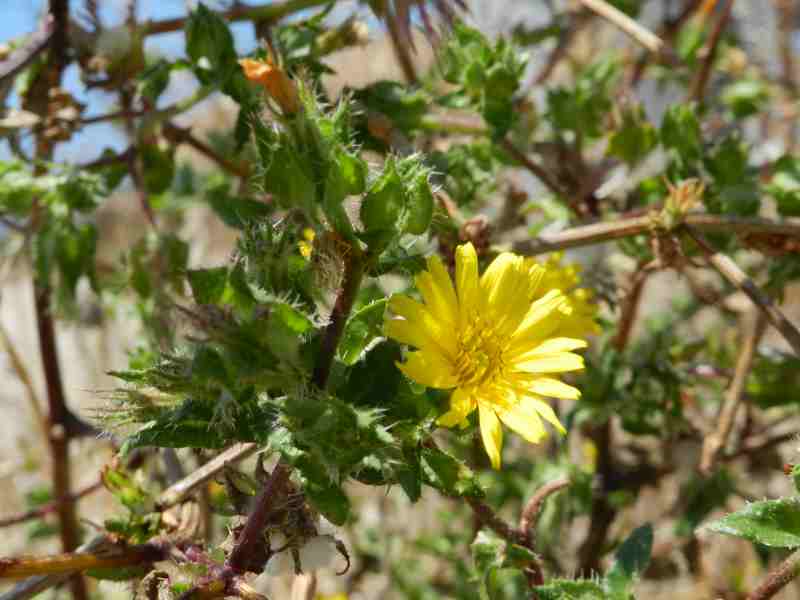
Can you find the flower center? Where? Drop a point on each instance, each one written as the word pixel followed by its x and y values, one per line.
pixel 480 354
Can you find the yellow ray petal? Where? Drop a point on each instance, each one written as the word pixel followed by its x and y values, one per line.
pixel 491 433
pixel 533 404
pixel 505 286
pixel 553 388
pixel 541 319
pixel 525 422
pixel 437 304
pixel 441 279
pixel 467 278
pixel 420 317
pixel 551 346
pixel 551 363
pixel 430 369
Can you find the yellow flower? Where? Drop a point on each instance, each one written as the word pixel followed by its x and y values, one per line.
pixel 307 245
pixel 275 80
pixel 581 311
pixel 493 339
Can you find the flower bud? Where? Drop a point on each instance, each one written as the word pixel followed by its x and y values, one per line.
pixel 275 80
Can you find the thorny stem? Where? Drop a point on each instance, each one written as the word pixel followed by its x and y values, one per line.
pixel 701 80
pixel 753 326
pixel 778 579
pixel 731 271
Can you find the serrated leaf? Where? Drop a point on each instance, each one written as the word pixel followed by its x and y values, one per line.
pixel 680 130
pixel 363 327
pixel 448 474
pixel 209 44
pixel 630 560
pixel 208 285
pixel 773 523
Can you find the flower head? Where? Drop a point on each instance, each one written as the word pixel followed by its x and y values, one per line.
pixel 306 245
pixel 494 340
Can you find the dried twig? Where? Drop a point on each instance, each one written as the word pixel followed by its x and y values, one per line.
pixel 753 326
pixel 25 379
pixel 731 271
pixel 639 33
pixel 181 490
pixel 586 235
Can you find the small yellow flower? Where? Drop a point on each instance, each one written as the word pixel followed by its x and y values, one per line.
pixel 275 80
pixel 494 340
pixel 307 245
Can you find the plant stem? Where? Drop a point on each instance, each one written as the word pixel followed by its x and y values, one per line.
pixel 48 508
pixel 253 530
pixel 351 283
pixel 12 568
pixel 778 579
pixel 731 271
pixel 641 34
pixel 270 12
pixel 701 80
pixel 180 490
pixel 753 326
pixel 606 231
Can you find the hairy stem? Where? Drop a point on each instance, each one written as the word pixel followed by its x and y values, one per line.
pixel 778 579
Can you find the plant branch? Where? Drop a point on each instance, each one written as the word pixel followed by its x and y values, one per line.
pixel 701 80
pixel 69 562
pixel 253 530
pixel 180 135
pixel 752 327
pixel 778 579
pixel 731 272
pixel 351 282
pixel 637 32
pixel 180 490
pixel 537 170
pixel 47 508
pixel 24 376
pixel 239 12
pixel 37 42
pixel 530 514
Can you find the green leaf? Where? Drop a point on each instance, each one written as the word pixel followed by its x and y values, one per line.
pixel 363 327
pixel 785 185
pixel 448 474
pixel 630 561
pixel 634 139
pixel 773 523
pixel 209 44
pixel 488 552
pixel 567 589
pixel 680 131
pixel 208 285
pixel 234 211
pixel 158 167
pixel 385 201
pixel 419 205
pixel 745 97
